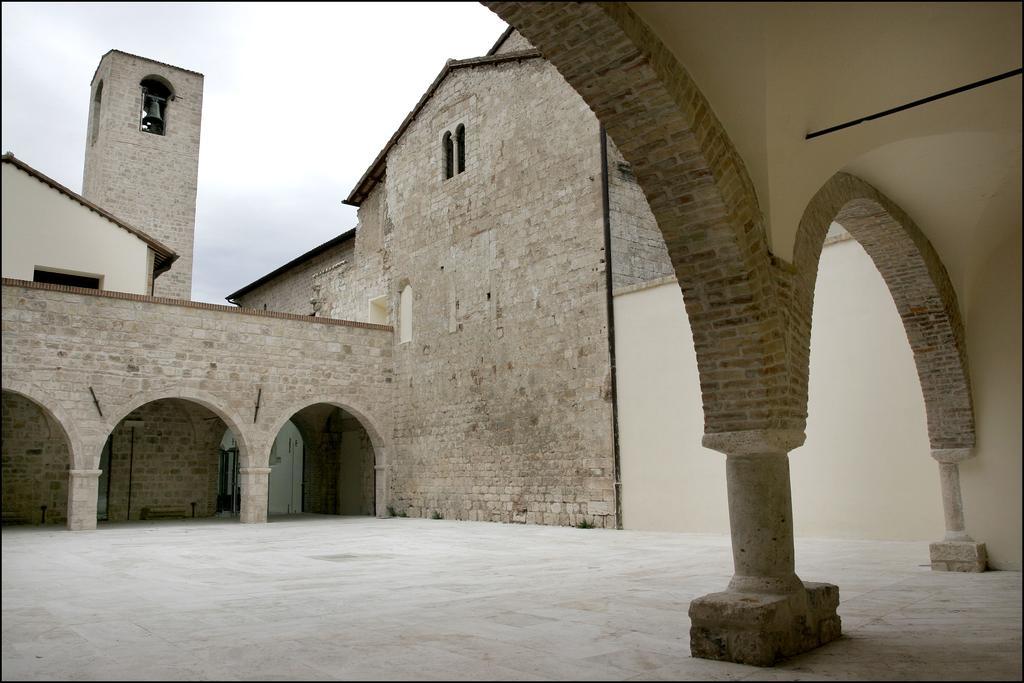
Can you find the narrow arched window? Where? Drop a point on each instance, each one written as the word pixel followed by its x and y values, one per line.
pixel 405 315
pixel 447 154
pixel 94 134
pixel 154 106
pixel 460 145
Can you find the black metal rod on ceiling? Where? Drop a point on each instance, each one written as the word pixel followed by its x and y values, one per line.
pixel 915 103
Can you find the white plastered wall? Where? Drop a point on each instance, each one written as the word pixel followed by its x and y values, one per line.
pixel 991 480
pixel 865 470
pixel 44 228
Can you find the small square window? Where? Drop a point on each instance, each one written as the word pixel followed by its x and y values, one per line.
pixel 378 313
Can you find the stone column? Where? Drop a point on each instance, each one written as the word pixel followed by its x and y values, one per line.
pixel 767 612
pixel 83 488
pixel 255 483
pixel 957 552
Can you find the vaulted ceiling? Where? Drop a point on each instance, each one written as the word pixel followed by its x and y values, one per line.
pixel 774 72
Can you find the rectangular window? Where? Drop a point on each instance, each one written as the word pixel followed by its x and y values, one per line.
pixel 55 278
pixel 378 314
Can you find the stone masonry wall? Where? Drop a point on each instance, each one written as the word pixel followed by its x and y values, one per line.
pixel 514 43
pixel 346 293
pixel 147 180
pixel 355 476
pixel 639 255
pixel 320 474
pixel 338 474
pixel 253 369
pixel 35 464
pixel 174 462
pixel 502 407
pixel 342 279
pixel 293 290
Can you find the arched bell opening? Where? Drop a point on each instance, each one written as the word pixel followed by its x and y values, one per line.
pixel 156 93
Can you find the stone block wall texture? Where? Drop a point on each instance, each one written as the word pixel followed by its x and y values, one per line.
pixel 493 263
pixel 147 180
pixel 338 474
pixel 347 293
pixel 173 463
pixel 321 474
pixel 252 369
pixel 35 464
pixel 295 290
pixel 502 405
pixel 639 255
pixel 355 472
pixel 514 43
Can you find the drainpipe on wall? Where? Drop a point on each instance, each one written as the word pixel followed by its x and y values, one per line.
pixel 606 210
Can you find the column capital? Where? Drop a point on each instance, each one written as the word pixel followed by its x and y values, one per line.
pixel 754 441
pixel 952 456
pixel 85 473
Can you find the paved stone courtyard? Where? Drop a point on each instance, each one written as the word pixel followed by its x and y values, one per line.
pixel 310 597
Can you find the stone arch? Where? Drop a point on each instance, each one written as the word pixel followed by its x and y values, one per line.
pixel 156 93
pixel 701 195
pixel 161 80
pixel 460 148
pixel 57 414
pixel 381 446
pixel 919 285
pixel 447 156
pixel 204 398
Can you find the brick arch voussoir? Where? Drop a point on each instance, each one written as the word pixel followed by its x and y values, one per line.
pixel 920 288
pixel 699 191
pixel 218 405
pixel 58 414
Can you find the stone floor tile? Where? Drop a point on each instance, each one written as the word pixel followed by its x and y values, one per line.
pixel 313 597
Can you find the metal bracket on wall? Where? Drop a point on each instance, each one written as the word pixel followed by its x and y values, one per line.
pixel 96 401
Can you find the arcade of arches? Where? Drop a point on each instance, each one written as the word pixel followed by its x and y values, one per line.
pixel 175 458
pixel 745 254
pixel 713 106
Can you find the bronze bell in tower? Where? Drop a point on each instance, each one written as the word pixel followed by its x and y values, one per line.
pixel 153 120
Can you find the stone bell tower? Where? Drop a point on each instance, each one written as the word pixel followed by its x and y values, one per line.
pixel 142 154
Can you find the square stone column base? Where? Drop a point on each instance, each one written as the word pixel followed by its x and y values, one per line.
pixel 958 556
pixel 760 629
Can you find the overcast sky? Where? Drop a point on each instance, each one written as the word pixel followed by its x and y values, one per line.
pixel 299 99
